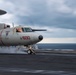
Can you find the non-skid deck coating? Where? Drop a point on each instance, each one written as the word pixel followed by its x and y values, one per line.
pixel 52 64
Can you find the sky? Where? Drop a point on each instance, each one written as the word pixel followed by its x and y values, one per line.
pixel 57 16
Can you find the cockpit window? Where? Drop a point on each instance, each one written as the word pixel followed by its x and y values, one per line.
pixel 27 29
pixel 24 30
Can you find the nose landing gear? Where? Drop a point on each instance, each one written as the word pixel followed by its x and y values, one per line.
pixel 30 50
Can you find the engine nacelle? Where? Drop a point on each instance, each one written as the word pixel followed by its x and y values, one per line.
pixel 4 26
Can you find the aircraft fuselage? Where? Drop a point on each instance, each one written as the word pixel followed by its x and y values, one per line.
pixel 9 37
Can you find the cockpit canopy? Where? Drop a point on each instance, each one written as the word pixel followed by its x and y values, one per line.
pixel 27 29
pixel 23 29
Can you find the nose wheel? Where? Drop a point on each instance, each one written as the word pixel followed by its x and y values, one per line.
pixel 30 50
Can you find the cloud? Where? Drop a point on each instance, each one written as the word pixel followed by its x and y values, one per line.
pixel 51 13
pixel 55 13
pixel 59 33
pixel 57 16
pixel 58 6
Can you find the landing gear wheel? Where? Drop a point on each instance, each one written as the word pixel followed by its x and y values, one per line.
pixel 31 52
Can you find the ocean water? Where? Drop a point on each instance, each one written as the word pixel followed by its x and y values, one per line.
pixel 57 46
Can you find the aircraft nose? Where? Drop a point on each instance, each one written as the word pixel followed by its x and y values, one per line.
pixel 40 37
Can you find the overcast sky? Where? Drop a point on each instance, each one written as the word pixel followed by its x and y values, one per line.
pixel 57 16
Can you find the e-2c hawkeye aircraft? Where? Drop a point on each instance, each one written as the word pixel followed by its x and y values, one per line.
pixel 19 35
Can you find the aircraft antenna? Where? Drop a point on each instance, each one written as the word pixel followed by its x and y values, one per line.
pixel 13 24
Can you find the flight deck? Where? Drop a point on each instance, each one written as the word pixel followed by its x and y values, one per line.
pixel 43 63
